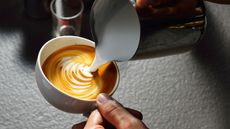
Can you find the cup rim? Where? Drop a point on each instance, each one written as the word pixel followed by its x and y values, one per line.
pixel 66 18
pixel 76 37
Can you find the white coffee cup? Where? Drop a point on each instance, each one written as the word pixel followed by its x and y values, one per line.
pixel 53 95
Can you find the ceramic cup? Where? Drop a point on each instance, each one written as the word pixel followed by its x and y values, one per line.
pixel 54 96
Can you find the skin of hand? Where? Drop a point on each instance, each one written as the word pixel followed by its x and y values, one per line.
pixel 112 115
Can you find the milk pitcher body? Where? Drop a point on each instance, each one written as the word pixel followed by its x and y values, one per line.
pixel 167 26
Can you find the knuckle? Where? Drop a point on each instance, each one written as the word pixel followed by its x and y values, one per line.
pixel 112 108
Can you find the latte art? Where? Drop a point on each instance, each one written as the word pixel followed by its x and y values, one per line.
pixel 68 70
pixel 76 78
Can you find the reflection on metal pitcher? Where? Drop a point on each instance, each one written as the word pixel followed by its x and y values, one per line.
pixel 169 26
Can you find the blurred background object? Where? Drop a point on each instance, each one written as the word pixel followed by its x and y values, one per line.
pixel 38 9
pixel 67 17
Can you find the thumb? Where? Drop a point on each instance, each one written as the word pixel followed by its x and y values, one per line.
pixel 115 113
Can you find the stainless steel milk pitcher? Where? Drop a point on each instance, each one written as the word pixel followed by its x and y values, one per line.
pixel 168 26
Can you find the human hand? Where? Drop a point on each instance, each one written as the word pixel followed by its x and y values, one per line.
pixel 163 9
pixel 111 114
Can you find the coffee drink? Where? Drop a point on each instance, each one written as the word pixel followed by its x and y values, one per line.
pixel 68 70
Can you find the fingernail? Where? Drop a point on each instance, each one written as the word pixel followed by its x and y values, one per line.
pixel 103 98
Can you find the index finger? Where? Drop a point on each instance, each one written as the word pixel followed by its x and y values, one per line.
pixel 95 120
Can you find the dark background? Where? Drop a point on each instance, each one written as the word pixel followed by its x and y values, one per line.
pixel 184 91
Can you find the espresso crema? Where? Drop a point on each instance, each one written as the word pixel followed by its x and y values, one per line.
pixel 68 70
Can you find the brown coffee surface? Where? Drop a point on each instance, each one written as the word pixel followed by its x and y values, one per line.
pixel 68 70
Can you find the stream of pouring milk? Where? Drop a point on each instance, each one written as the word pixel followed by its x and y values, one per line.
pixel 97 62
pixel 117 30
